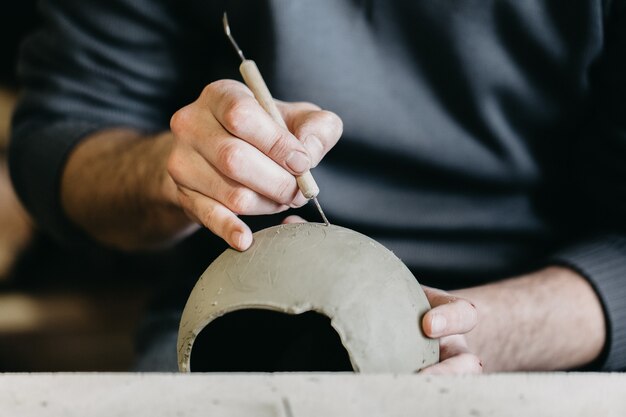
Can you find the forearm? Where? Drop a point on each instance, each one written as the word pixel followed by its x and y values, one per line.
pixel 548 320
pixel 116 188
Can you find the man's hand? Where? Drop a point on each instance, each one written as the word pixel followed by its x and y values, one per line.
pixel 450 319
pixel 548 320
pixel 230 158
pixel 224 157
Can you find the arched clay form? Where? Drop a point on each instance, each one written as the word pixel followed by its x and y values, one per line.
pixel 374 302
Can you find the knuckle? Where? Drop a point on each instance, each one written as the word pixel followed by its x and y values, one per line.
pixel 181 120
pixel 467 313
pixel 209 217
pixel 210 89
pixel 450 299
pixel 281 145
pixel 239 200
pixel 286 191
pixel 323 124
pixel 217 87
pixel 174 166
pixel 229 158
pixel 333 122
pixel 236 114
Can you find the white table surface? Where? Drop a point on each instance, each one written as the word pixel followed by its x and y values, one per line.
pixel 311 394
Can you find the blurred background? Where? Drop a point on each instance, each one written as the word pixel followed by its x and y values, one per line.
pixel 57 313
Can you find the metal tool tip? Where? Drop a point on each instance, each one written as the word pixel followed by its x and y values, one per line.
pixel 225 22
pixel 319 208
pixel 230 37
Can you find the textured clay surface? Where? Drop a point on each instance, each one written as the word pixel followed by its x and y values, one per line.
pixel 373 300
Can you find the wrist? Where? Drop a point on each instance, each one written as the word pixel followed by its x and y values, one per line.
pixel 164 190
pixel 535 322
pixel 114 188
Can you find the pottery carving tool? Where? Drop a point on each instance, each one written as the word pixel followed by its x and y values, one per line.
pixel 255 82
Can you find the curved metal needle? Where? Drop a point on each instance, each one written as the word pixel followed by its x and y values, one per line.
pixel 230 37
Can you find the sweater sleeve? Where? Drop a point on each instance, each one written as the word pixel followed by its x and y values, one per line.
pixel 601 172
pixel 93 65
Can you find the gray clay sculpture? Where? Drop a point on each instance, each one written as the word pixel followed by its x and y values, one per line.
pixel 374 302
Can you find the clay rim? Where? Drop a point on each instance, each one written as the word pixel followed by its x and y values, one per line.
pixel 185 364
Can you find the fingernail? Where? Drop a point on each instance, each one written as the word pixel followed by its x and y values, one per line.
pixel 298 162
pixel 240 240
pixel 314 147
pixel 438 324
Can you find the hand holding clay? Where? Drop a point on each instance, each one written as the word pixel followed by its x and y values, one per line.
pixel 449 319
pixel 230 158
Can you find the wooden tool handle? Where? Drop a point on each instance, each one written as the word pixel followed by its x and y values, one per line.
pixel 252 76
